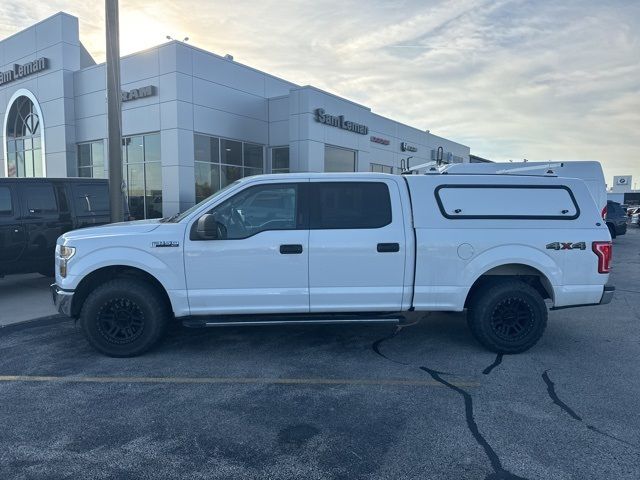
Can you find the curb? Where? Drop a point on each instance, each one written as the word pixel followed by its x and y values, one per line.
pixel 34 322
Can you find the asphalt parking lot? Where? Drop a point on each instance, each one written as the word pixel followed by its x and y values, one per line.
pixel 332 402
pixel 25 297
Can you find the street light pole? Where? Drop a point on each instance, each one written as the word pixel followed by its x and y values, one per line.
pixel 114 110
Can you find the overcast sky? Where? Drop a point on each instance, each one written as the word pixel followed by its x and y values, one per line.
pixel 512 79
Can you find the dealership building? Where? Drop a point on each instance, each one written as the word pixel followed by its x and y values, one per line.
pixel 192 121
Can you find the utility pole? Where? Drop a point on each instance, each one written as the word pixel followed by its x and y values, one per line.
pixel 114 110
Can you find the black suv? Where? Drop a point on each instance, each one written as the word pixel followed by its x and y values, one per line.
pixel 616 219
pixel 34 212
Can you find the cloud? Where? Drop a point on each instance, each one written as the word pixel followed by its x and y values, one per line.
pixel 510 78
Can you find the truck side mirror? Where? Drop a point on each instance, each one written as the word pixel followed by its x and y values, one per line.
pixel 208 228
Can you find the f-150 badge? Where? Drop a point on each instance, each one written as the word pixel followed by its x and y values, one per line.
pixel 165 243
pixel 566 246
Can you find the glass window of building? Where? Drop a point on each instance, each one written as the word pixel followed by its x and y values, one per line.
pixel 230 152
pixel 231 159
pixel 207 165
pixel 339 159
pixel 142 172
pixel 219 162
pixel 91 159
pixel 377 167
pixel 24 141
pixel 253 159
pixel 280 160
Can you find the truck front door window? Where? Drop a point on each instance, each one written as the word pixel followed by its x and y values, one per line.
pixel 257 209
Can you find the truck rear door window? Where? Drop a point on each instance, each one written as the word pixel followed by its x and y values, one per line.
pixel 91 199
pixel 534 202
pixel 340 205
pixel 40 199
pixel 6 207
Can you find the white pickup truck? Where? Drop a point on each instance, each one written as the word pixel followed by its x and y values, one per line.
pixel 343 248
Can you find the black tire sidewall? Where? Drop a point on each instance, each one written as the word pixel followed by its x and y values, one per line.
pixel 145 297
pixel 483 305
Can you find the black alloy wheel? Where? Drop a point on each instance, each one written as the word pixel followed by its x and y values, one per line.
pixel 120 321
pixel 512 319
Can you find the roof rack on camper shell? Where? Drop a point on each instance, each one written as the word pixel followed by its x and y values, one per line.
pixel 435 167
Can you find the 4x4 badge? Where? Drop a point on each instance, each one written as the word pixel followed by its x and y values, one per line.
pixel 566 246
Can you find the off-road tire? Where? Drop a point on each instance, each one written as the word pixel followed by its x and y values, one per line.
pixel 124 317
pixel 507 316
pixel 612 230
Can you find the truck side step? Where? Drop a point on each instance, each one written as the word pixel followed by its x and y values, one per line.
pixel 255 320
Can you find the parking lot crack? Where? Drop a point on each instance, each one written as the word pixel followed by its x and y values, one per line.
pixel 554 397
pixel 498 470
pixel 551 390
pixel 495 363
pixel 376 345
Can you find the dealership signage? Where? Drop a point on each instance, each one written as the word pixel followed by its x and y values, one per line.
pixel 340 122
pixel 405 147
pixel 24 70
pixel 137 93
pixel 382 141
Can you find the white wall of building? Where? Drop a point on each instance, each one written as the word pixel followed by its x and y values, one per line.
pixel 57 39
pixel 196 92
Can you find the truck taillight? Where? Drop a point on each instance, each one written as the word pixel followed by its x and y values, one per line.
pixel 604 212
pixel 604 251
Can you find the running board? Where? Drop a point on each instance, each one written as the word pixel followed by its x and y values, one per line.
pixel 252 321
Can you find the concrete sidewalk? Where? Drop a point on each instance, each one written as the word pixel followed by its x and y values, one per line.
pixel 25 297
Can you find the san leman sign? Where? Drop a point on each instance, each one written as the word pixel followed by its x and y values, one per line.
pixel 340 122
pixel 19 71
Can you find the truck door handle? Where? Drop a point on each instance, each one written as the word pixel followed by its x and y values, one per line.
pixel 388 247
pixel 294 249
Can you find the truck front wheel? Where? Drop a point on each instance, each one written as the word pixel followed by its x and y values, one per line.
pixel 124 317
pixel 507 316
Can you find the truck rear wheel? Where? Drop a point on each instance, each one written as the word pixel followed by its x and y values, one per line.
pixel 124 317
pixel 507 316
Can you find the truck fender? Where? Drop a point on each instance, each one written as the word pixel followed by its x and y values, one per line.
pixel 510 255
pixel 128 257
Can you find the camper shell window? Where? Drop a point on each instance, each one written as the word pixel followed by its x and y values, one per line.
pixel 507 202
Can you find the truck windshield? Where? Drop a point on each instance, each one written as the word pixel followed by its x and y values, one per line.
pixel 180 216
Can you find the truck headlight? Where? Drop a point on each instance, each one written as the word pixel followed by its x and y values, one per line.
pixel 64 254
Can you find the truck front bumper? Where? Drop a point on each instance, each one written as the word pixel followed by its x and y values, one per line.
pixel 607 294
pixel 62 299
